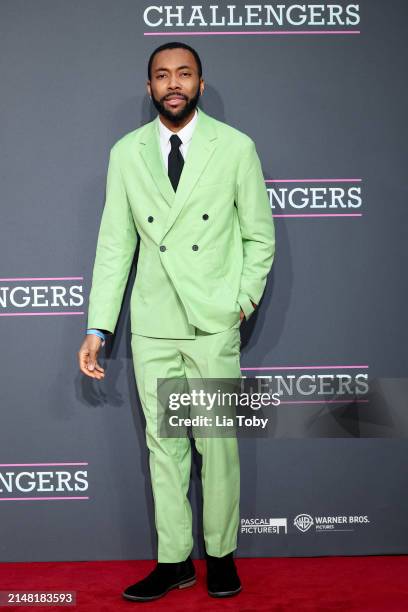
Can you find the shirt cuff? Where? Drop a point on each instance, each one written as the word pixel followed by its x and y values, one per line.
pixel 97 332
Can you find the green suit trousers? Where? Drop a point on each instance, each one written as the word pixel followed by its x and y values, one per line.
pixel 208 355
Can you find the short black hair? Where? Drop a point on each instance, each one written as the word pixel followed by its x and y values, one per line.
pixel 175 45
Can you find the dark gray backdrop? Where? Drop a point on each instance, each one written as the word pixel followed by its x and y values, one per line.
pixel 322 108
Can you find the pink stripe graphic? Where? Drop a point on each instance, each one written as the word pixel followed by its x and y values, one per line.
pixel 36 314
pixel 311 367
pixel 35 464
pixel 37 498
pixel 326 180
pixel 33 278
pixel 351 401
pixel 247 32
pixel 321 215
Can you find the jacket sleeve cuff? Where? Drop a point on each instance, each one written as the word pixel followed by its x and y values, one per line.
pixel 246 305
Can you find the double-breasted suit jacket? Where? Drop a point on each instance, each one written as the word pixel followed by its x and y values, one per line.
pixel 205 250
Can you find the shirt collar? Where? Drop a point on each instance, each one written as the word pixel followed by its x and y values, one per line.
pixel 185 134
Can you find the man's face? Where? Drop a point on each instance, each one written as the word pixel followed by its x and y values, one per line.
pixel 175 86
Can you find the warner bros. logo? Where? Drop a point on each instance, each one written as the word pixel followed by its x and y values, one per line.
pixel 303 522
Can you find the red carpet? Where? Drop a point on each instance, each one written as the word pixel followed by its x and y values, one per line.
pixel 374 583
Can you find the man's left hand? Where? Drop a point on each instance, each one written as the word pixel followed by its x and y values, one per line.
pixel 241 314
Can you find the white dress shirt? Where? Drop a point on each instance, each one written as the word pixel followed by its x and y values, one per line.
pixel 185 135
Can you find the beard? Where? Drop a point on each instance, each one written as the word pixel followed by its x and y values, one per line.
pixel 175 117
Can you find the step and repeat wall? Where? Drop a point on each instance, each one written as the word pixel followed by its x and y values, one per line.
pixel 321 88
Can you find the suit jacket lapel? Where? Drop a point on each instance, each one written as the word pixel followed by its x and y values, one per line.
pixel 153 159
pixel 201 148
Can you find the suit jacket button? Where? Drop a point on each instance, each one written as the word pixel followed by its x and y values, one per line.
pixel 195 247
pixel 205 216
pixel 150 219
pixel 162 247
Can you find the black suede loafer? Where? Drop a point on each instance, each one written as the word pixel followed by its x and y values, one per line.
pixel 163 578
pixel 222 576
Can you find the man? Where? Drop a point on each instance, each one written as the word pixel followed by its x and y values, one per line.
pixel 190 188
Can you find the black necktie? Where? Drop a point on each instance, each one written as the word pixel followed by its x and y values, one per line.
pixel 176 161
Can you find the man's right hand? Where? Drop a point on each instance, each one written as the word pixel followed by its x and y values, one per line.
pixel 88 355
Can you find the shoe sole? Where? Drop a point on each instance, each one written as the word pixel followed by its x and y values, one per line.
pixel 224 593
pixel 181 585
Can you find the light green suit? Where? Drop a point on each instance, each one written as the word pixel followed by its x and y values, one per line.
pixel 178 286
pixel 205 252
